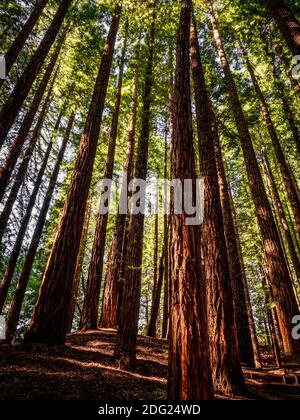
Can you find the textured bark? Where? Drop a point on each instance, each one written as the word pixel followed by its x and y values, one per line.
pixel 165 320
pixel 49 321
pixel 245 346
pixel 274 339
pixel 15 101
pixel 254 339
pixel 15 149
pixel 112 290
pixel 125 349
pixel 158 272
pixel 189 362
pixel 282 217
pixel 16 305
pixel 22 170
pixel 89 315
pixel 16 47
pixel 278 274
pixel 283 165
pixel 79 265
pixel 226 368
pixel 287 22
pixel 14 256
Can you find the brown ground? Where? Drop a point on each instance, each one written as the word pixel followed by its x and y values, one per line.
pixel 84 370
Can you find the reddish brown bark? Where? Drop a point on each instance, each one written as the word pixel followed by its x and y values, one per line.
pixel 16 47
pixel 16 305
pixel 14 256
pixel 283 165
pixel 22 170
pixel 15 101
pixel 246 352
pixel 282 218
pixel 50 325
pixel 15 149
pixel 79 265
pixel 288 69
pixel 287 22
pixel 113 290
pixel 226 368
pixel 189 362
pixel 125 349
pixel 280 280
pixel 89 315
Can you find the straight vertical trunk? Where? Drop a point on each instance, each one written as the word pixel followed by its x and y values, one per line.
pixel 189 361
pixel 278 273
pixel 16 305
pixel 287 22
pixel 17 45
pixel 245 346
pixel 226 368
pixel 79 266
pixel 282 217
pixel 112 289
pixel 14 256
pixel 89 315
pixel 125 349
pixel 15 149
pixel 283 165
pixel 15 101
pixel 48 325
pixel 22 170
pixel 157 283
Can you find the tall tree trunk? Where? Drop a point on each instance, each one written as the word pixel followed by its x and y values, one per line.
pixel 17 45
pixel 79 265
pixel 165 320
pixel 22 170
pixel 152 326
pixel 270 318
pixel 287 22
pixel 47 325
pixel 125 349
pixel 283 165
pixel 156 279
pixel 15 149
pixel 282 217
pixel 245 346
pixel 14 103
pixel 112 289
pixel 89 315
pixel 226 368
pixel 189 362
pixel 281 283
pixel 14 256
pixel 254 339
pixel 16 305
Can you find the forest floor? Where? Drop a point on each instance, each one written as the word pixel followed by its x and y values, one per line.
pixel 84 369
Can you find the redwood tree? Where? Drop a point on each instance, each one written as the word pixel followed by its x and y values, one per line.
pixel 15 101
pixel 226 369
pixel 287 22
pixel 278 273
pixel 16 46
pixel 16 305
pixel 189 361
pixel 125 349
pixel 89 315
pixel 50 317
